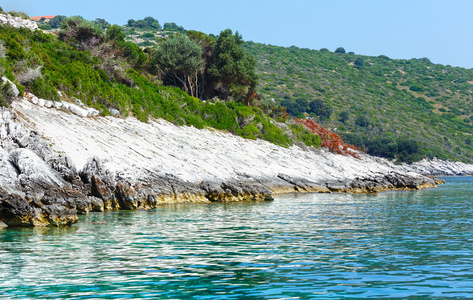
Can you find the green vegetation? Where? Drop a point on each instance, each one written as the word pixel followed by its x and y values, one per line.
pixel 148 22
pixel 399 109
pixel 377 103
pixel 179 60
pixel 107 72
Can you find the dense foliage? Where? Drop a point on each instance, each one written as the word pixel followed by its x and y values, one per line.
pixel 107 72
pixel 404 109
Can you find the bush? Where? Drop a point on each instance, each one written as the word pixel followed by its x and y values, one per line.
pixel 344 116
pixel 147 35
pixel 45 27
pixel 417 88
pixel 19 14
pixel 84 34
pixel 362 121
pixel 320 108
pixel 359 62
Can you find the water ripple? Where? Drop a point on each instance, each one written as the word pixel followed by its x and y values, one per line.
pixel 393 245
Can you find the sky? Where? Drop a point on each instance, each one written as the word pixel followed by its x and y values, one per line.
pixel 440 30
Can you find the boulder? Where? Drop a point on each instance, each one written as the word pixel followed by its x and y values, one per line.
pixel 126 196
pixel 35 171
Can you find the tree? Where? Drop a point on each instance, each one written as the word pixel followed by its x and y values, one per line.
pixel 344 116
pixel 56 21
pixel 115 33
pixel 359 62
pixel 45 26
pixel 321 109
pixel 362 121
pixel 140 24
pixel 340 50
pixel 173 26
pixel 233 72
pixel 207 45
pixel 179 60
pixel 83 33
pixel 102 23
pixel 293 107
pixel 152 22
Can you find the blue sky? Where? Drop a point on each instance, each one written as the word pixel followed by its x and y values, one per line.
pixel 437 29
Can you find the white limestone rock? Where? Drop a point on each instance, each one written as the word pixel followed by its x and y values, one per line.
pixel 17 22
pixel 15 90
pixel 49 103
pixel 58 104
pixel 136 149
pixel 32 168
pixel 91 112
pixel 77 110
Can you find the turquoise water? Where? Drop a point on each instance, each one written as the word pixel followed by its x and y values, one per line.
pixel 305 246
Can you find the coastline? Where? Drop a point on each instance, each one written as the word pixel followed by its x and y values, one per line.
pixel 59 160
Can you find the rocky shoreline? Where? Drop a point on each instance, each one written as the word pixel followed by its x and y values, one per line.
pixel 58 163
pixel 60 159
pixel 437 167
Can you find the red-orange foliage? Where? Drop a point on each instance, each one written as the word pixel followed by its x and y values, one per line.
pixel 330 140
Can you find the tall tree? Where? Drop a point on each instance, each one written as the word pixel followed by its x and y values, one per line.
pixel 233 72
pixel 179 60
pixel 207 45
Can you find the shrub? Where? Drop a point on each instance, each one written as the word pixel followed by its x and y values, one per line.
pixel 330 140
pixel 321 109
pixel 344 116
pixel 84 34
pixel 19 14
pixel 417 88
pixel 147 35
pixel 359 62
pixel 362 121
pixel 29 74
pixel 45 26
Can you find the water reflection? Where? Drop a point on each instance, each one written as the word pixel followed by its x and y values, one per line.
pixel 398 244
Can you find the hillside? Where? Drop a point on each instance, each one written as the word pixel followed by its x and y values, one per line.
pixel 395 108
pixel 87 125
pixel 399 109
pixel 83 64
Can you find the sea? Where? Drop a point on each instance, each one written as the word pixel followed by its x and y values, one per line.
pixel 394 245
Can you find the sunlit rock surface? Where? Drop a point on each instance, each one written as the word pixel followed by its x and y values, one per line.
pixel 442 168
pixel 57 162
pixel 17 22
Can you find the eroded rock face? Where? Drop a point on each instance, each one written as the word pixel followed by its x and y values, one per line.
pixel 44 184
pixel 18 211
